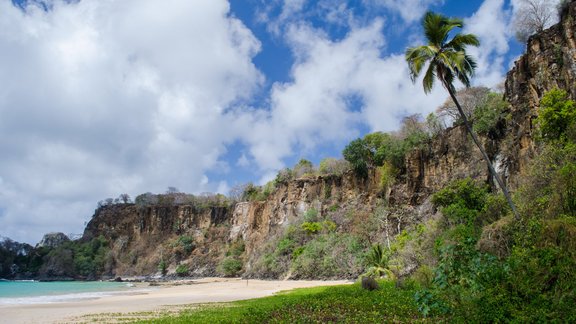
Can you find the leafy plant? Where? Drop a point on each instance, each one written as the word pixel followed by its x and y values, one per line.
pixel 182 270
pixel 230 266
pixel 163 267
pixel 311 227
pixel 557 114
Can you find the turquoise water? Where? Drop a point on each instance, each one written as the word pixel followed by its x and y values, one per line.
pixel 31 292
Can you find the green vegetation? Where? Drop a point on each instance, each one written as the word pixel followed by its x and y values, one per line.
pixel 488 117
pixel 346 303
pixel 317 247
pixel 182 270
pixel 386 150
pixel 232 263
pixel 163 267
pixel 377 260
pixel 557 117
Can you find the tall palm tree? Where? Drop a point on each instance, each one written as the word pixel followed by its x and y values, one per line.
pixel 447 60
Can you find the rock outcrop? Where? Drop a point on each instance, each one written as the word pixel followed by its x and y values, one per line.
pixel 549 62
pixel 53 240
pixel 142 236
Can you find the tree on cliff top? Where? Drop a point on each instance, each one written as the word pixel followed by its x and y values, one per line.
pixel 447 60
pixel 532 17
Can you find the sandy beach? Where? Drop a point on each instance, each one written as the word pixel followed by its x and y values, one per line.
pixel 156 298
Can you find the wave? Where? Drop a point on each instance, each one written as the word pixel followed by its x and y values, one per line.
pixel 75 297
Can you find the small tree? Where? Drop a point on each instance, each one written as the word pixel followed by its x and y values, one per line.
pixel 333 166
pixel 303 167
pixel 359 156
pixel 172 191
pixel 557 114
pixel 125 198
pixel 469 98
pixel 532 17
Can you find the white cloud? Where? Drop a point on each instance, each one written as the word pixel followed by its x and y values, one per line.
pixel 105 97
pixel 409 10
pixel 489 23
pixel 315 107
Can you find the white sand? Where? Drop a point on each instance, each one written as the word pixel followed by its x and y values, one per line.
pixel 199 291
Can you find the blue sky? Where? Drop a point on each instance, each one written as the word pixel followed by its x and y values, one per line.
pixel 101 98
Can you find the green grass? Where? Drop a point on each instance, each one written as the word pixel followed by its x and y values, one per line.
pixel 343 304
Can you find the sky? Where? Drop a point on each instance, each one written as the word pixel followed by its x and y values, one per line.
pixel 104 97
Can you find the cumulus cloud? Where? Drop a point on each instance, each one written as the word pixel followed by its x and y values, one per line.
pixel 490 24
pixel 105 97
pixel 336 86
pixel 409 10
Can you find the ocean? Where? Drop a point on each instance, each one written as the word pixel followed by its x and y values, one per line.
pixel 35 292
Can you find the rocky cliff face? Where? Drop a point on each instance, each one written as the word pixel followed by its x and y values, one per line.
pixel 53 240
pixel 256 222
pixel 142 236
pixel 451 155
pixel 549 62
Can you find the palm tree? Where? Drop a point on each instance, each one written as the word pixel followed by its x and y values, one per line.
pixel 447 60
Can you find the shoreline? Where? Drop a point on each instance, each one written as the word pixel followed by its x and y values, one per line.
pixel 160 298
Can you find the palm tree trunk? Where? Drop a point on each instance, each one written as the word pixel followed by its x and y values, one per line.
pixel 477 142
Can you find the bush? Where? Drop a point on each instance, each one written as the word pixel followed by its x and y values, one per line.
pixel 163 267
pixel 557 114
pixel 230 266
pixel 333 166
pixel 461 201
pixel 359 156
pixel 489 116
pixel 311 215
pixel 311 227
pixel 333 255
pixel 284 176
pixel 304 167
pixel 187 243
pixel 182 270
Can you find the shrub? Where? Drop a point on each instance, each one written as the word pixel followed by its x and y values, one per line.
pixel 182 270
pixel 387 175
pixel 163 267
pixel 461 201
pixel 284 176
pixel 230 266
pixel 359 156
pixel 329 256
pixel 311 215
pixel 489 115
pixel 304 167
pixel 556 115
pixel 187 243
pixel 369 283
pixel 251 192
pixel 311 227
pixel 333 166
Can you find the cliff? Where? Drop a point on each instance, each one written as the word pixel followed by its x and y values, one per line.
pixel 143 236
pixel 549 62
pixel 266 237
